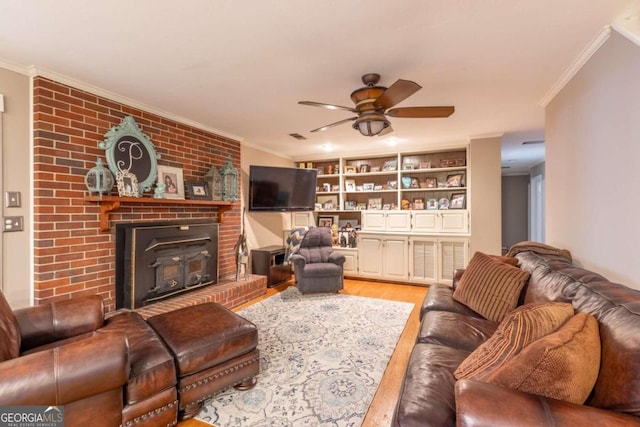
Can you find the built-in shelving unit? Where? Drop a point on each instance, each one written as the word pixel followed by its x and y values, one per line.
pixel 411 210
pixel 111 203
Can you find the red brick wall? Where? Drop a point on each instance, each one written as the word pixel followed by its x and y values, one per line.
pixel 72 256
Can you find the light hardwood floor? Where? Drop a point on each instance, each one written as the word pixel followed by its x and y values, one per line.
pixel 384 402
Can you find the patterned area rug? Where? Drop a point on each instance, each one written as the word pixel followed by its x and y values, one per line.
pixel 322 358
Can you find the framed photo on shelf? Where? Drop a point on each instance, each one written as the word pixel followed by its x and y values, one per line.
pixel 443 203
pixel 432 204
pixel 198 190
pixel 375 169
pixel 326 187
pixel 407 166
pixel 364 168
pixel 415 183
pixel 349 205
pixel 390 165
pixel 328 203
pixel 127 184
pixel 432 182
pixel 461 162
pixel 454 180
pixel 377 187
pixel 173 181
pixel 392 185
pixel 458 201
pixel 368 186
pixel 425 165
pixel 335 187
pixel 350 169
pixel 325 221
pixel 320 170
pixel 361 206
pixel 375 203
pixel 418 203
pixel 349 185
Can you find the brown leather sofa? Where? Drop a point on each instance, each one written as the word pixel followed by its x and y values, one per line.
pixel 105 372
pixel 450 331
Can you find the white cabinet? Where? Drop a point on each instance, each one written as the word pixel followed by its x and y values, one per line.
pixel 443 221
pixel 423 259
pixel 433 259
pixel 454 254
pixel 383 256
pixel 350 260
pixel 386 220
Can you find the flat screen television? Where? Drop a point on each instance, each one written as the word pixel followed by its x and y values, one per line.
pixel 282 189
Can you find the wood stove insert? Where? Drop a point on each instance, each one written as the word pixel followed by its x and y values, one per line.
pixel 155 261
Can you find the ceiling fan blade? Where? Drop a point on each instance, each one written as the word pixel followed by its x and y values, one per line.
pixel 396 93
pixel 334 124
pixel 421 112
pixel 329 106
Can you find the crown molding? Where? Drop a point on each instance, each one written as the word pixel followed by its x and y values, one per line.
pixel 34 71
pixel 629 25
pixel 577 64
pixel 20 69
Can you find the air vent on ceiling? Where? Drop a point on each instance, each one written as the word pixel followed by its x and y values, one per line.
pixel 538 141
pixel 296 136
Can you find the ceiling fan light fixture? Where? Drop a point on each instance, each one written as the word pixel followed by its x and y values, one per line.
pixel 371 124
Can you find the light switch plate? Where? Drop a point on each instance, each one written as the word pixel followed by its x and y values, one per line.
pixel 13 199
pixel 13 223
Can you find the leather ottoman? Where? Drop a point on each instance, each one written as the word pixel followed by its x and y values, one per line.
pixel 213 348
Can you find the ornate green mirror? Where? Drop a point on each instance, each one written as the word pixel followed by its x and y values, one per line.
pixel 128 149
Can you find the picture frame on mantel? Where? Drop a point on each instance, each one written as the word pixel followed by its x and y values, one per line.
pixel 173 180
pixel 198 190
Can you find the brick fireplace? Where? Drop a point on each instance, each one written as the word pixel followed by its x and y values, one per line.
pixel 72 256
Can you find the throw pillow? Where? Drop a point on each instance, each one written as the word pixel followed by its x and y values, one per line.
pixel 520 328
pixel 563 365
pixel 489 287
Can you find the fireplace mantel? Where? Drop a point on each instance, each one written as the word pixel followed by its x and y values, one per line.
pixel 111 203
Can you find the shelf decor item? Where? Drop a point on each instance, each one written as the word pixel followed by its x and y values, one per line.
pixel 457 201
pixel 198 190
pixel 406 181
pixel 454 180
pixel 375 203
pixel 229 176
pixel 173 181
pixel 99 179
pixel 127 184
pixel 214 180
pixel 128 149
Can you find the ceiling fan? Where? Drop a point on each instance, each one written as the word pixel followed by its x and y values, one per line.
pixel 372 105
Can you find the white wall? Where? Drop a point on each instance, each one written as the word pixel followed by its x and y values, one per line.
pixel 262 228
pixel 593 163
pixel 16 176
pixel 485 183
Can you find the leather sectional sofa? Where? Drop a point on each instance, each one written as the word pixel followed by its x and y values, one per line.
pixel 118 371
pixel 451 333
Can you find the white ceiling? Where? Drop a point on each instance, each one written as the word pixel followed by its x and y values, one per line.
pixel 240 67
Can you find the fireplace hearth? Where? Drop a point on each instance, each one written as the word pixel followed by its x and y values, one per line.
pixel 155 261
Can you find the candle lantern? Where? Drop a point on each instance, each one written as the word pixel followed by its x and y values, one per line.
pixel 215 183
pixel 229 177
pixel 99 179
